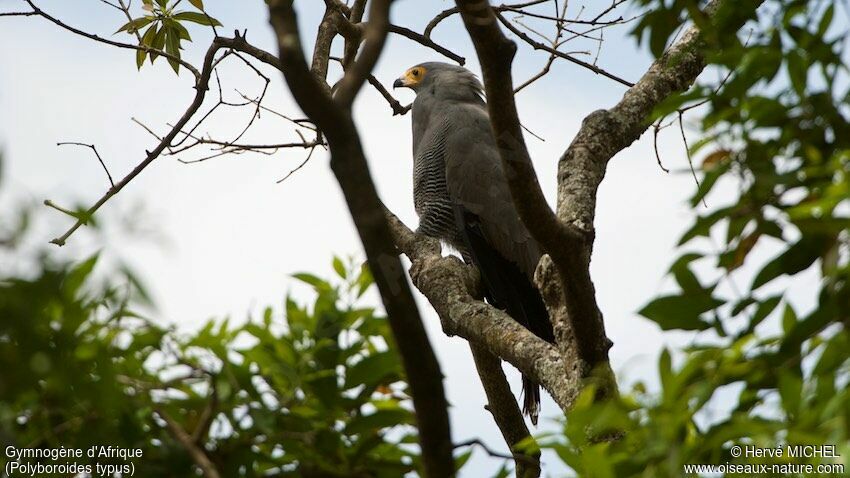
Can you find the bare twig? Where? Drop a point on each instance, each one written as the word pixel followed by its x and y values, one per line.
pixel 540 46
pixel 207 416
pixel 506 413
pixel 495 454
pixel 397 108
pixel 100 160
pixel 454 10
pixel 426 41
pixel 195 452
pixel 688 153
pixel 656 128
pixel 297 168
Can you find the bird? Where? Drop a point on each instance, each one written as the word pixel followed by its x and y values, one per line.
pixel 462 198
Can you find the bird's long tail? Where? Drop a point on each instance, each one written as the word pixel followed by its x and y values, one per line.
pixel 508 288
pixel 531 398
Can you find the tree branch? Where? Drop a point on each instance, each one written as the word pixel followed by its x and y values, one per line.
pixel 506 413
pixel 374 37
pixel 200 92
pixel 447 283
pixel 558 53
pixel 606 132
pixel 333 117
pixel 426 41
pixel 195 452
pixel 560 240
pixel 100 160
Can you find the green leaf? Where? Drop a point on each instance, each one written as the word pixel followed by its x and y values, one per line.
pixel 158 44
pixel 364 280
pixel 504 472
pixel 763 310
pixel 379 420
pixel 199 4
pixel 147 40
pixel 702 226
pixel 199 18
pixel 318 284
pixel 826 20
pixel 834 354
pixel 791 392
pixel 373 370
pixel 339 267
pixel 798 70
pixel 665 369
pixel 172 46
pixel 680 311
pixel 78 275
pixel 789 318
pixel 182 32
pixel 795 259
pixel 135 24
pixel 461 459
pixel 741 305
pixel 683 274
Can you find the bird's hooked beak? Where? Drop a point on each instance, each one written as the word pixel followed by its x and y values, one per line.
pixel 399 83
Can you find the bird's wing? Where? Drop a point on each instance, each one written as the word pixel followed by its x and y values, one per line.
pixel 476 183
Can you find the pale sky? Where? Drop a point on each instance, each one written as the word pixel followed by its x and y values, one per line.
pixel 233 236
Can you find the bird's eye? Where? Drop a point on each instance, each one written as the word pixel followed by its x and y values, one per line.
pixel 415 72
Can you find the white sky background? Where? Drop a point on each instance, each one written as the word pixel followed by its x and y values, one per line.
pixel 233 236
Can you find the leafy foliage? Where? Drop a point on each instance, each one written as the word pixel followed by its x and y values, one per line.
pixel 316 390
pixel 775 126
pixel 163 29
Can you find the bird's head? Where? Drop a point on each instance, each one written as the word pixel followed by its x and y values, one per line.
pixel 436 75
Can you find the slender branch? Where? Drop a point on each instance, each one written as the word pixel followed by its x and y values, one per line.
pixel 455 10
pixel 324 40
pixel 561 20
pixel 375 35
pixel 506 413
pixel 105 169
pixel 297 168
pixel 425 40
pixel 195 452
pixel 397 108
pixel 207 416
pixel 240 43
pixel 518 457
pixel 438 19
pixel 541 46
pixel 394 104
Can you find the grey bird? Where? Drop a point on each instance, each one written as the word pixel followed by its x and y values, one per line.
pixel 462 197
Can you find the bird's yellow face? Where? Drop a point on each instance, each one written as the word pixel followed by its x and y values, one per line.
pixel 411 78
